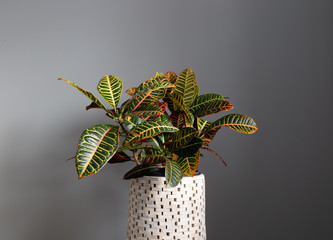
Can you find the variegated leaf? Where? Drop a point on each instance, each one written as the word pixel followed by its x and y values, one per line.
pixel 147 95
pixel 159 74
pixel 110 87
pixel 135 147
pixel 150 83
pixel 187 87
pixel 201 125
pixel 151 155
pixel 189 165
pixel 207 104
pixel 209 135
pixel 181 138
pixel 146 110
pixel 131 91
pixel 131 122
pixel 178 118
pixel 178 102
pixel 191 148
pixel 148 129
pixel 171 77
pixel 173 173
pixel 96 147
pixel 141 170
pixel 213 108
pixel 237 122
pixel 89 95
pixel 119 157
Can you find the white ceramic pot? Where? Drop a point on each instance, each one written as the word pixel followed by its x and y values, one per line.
pixel 157 212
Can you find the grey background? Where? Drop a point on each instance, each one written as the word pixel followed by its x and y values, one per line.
pixel 273 58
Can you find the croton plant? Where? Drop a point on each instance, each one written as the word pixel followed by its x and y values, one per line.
pixel 161 125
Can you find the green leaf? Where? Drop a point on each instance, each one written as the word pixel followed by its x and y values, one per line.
pixel 207 104
pixel 150 83
pixel 146 110
pixel 173 173
pixel 181 138
pixel 209 135
pixel 178 102
pixel 136 147
pixel 131 91
pixel 89 95
pixel 110 88
pixel 119 157
pixel 189 165
pixel 237 122
pixel 178 118
pixel 163 137
pixel 96 147
pixel 187 87
pixel 148 129
pixel 151 155
pixel 190 148
pixel 201 125
pixel 131 122
pixel 171 77
pixel 148 95
pixel 141 170
pixel 159 74
pixel 164 119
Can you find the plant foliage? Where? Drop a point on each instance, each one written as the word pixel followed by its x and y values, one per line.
pixel 159 126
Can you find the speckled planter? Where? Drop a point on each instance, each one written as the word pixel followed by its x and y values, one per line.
pixel 157 212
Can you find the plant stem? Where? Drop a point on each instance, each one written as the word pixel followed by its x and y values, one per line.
pixel 136 157
pixel 122 127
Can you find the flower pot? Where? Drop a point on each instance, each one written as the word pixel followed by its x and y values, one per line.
pixel 157 212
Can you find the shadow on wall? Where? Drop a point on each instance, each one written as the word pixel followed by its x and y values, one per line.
pixel 44 199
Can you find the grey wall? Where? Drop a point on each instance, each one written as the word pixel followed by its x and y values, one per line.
pixel 273 58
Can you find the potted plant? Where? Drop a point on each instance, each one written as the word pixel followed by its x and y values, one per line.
pixel 160 128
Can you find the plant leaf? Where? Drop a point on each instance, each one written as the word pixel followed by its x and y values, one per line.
pixel 159 74
pixel 207 104
pixel 89 95
pixel 141 170
pixel 173 173
pixel 181 138
pixel 110 88
pixel 237 122
pixel 136 147
pixel 146 110
pixel 119 157
pixel 201 125
pixel 150 83
pixel 189 165
pixel 171 77
pixel 178 102
pixel 190 148
pixel 213 107
pixel 178 118
pixel 148 129
pixel 131 91
pixel 151 155
pixel 147 95
pixel 187 87
pixel 96 147
pixel 131 122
